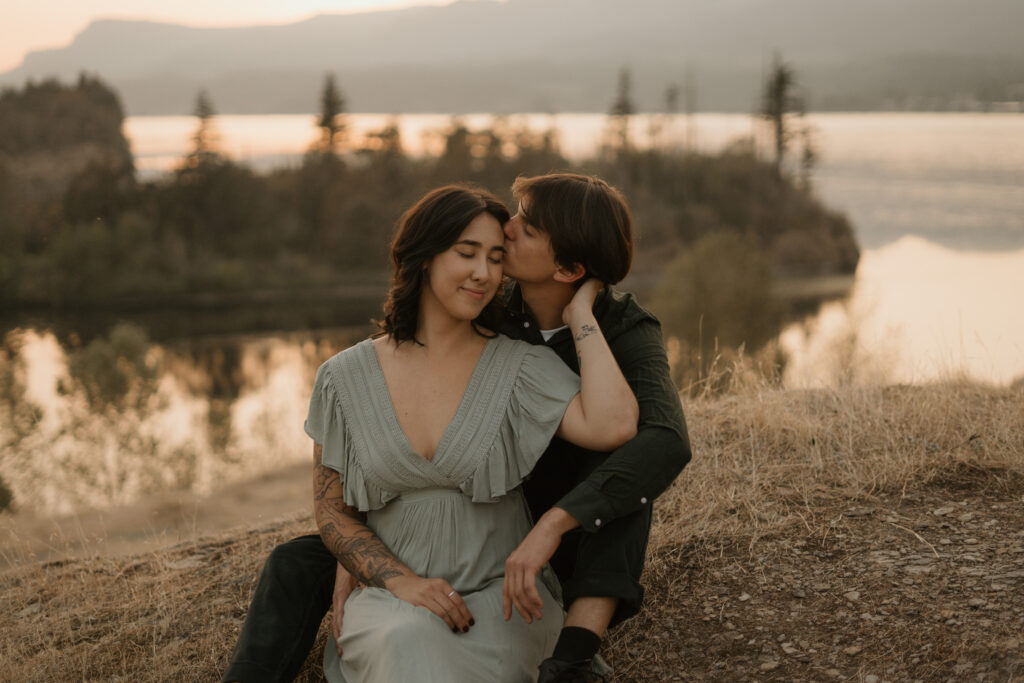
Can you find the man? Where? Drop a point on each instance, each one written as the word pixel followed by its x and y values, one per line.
pixel 593 510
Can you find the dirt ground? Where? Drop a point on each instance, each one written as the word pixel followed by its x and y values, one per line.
pixel 922 586
pixel 926 585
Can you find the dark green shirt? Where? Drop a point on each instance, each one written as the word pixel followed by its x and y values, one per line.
pixel 596 488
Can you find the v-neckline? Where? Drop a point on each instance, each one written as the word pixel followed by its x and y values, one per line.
pixel 392 413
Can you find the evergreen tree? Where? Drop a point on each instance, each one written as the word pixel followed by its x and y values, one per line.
pixel 331 122
pixel 779 99
pixel 622 109
pixel 205 138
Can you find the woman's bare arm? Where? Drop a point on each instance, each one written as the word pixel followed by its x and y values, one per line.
pixel 604 415
pixel 346 535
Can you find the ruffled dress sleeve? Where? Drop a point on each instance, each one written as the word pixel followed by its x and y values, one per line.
pixel 326 424
pixel 537 399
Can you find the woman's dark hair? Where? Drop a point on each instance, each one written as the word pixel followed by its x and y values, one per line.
pixel 430 227
pixel 587 219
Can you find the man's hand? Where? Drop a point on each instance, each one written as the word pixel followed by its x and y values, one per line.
pixel 435 595
pixel 344 584
pixel 519 588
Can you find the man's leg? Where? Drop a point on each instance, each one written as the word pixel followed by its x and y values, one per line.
pixel 592 613
pixel 600 575
pixel 291 599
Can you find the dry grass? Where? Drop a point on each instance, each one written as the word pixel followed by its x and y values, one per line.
pixel 766 460
pixel 764 456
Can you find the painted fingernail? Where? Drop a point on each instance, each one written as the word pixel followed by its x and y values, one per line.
pixel 472 622
pixel 465 629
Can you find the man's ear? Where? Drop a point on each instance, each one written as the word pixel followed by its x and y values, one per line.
pixel 570 273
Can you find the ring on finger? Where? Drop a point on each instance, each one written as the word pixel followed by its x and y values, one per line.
pixel 451 594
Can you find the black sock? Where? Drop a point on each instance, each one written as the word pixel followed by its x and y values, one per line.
pixel 575 644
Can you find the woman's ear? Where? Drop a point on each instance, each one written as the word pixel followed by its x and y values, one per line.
pixel 570 273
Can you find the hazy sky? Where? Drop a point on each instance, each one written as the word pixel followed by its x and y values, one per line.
pixel 27 25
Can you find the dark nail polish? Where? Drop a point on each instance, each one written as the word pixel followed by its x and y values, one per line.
pixel 472 622
pixel 465 629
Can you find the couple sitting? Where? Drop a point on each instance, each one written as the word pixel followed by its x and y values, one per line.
pixel 439 440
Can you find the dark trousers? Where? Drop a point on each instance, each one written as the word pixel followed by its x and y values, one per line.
pixel 295 588
pixel 606 564
pixel 603 564
pixel 291 599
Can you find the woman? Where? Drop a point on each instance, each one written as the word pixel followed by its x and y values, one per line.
pixel 427 430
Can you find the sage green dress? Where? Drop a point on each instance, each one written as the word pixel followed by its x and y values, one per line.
pixel 456 517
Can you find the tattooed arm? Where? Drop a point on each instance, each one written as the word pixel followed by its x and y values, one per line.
pixel 604 415
pixel 344 531
pixel 366 557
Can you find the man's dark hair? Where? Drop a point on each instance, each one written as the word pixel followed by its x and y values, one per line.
pixel 430 227
pixel 587 220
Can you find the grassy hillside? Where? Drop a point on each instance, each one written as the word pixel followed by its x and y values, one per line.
pixel 838 534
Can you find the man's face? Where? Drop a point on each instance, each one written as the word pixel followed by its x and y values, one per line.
pixel 529 257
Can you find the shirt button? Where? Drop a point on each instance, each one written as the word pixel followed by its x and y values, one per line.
pixel 597 522
pixel 526 323
pixel 643 501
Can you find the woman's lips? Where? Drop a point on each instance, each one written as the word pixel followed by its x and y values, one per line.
pixel 475 293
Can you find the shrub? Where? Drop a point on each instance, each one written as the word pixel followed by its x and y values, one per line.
pixel 718 294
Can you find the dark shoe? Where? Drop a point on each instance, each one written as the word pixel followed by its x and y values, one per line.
pixel 559 671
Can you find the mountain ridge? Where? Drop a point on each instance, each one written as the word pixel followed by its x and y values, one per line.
pixel 453 48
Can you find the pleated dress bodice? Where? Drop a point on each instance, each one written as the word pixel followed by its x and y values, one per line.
pixel 459 515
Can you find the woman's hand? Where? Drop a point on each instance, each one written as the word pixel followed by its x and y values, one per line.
pixel 435 595
pixel 344 584
pixel 582 303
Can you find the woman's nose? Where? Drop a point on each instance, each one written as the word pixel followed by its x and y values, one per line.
pixel 480 270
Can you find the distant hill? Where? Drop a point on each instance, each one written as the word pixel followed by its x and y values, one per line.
pixel 562 55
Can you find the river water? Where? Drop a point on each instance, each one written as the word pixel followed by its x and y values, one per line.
pixel 937 202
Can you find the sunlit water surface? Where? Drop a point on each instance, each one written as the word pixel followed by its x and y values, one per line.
pixel 918 312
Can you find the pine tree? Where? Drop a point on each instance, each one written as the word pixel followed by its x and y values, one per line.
pixel 205 138
pixel 622 109
pixel 779 99
pixel 331 122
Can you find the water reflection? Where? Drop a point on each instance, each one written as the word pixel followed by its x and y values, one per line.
pixel 919 312
pixel 216 411
pixel 199 413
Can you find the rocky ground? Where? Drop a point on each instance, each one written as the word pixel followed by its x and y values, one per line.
pixel 924 586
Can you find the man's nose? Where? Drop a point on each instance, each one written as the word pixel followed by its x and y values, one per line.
pixel 509 230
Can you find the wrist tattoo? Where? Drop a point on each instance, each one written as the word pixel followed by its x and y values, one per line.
pixel 585 332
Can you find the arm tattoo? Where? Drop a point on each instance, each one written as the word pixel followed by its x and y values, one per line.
pixel 362 554
pixel 585 332
pixel 344 532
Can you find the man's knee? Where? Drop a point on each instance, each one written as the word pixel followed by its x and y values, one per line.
pixel 301 559
pixel 619 548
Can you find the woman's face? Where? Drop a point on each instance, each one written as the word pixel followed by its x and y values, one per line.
pixel 463 279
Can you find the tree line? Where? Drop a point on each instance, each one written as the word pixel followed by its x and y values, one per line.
pixel 79 228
